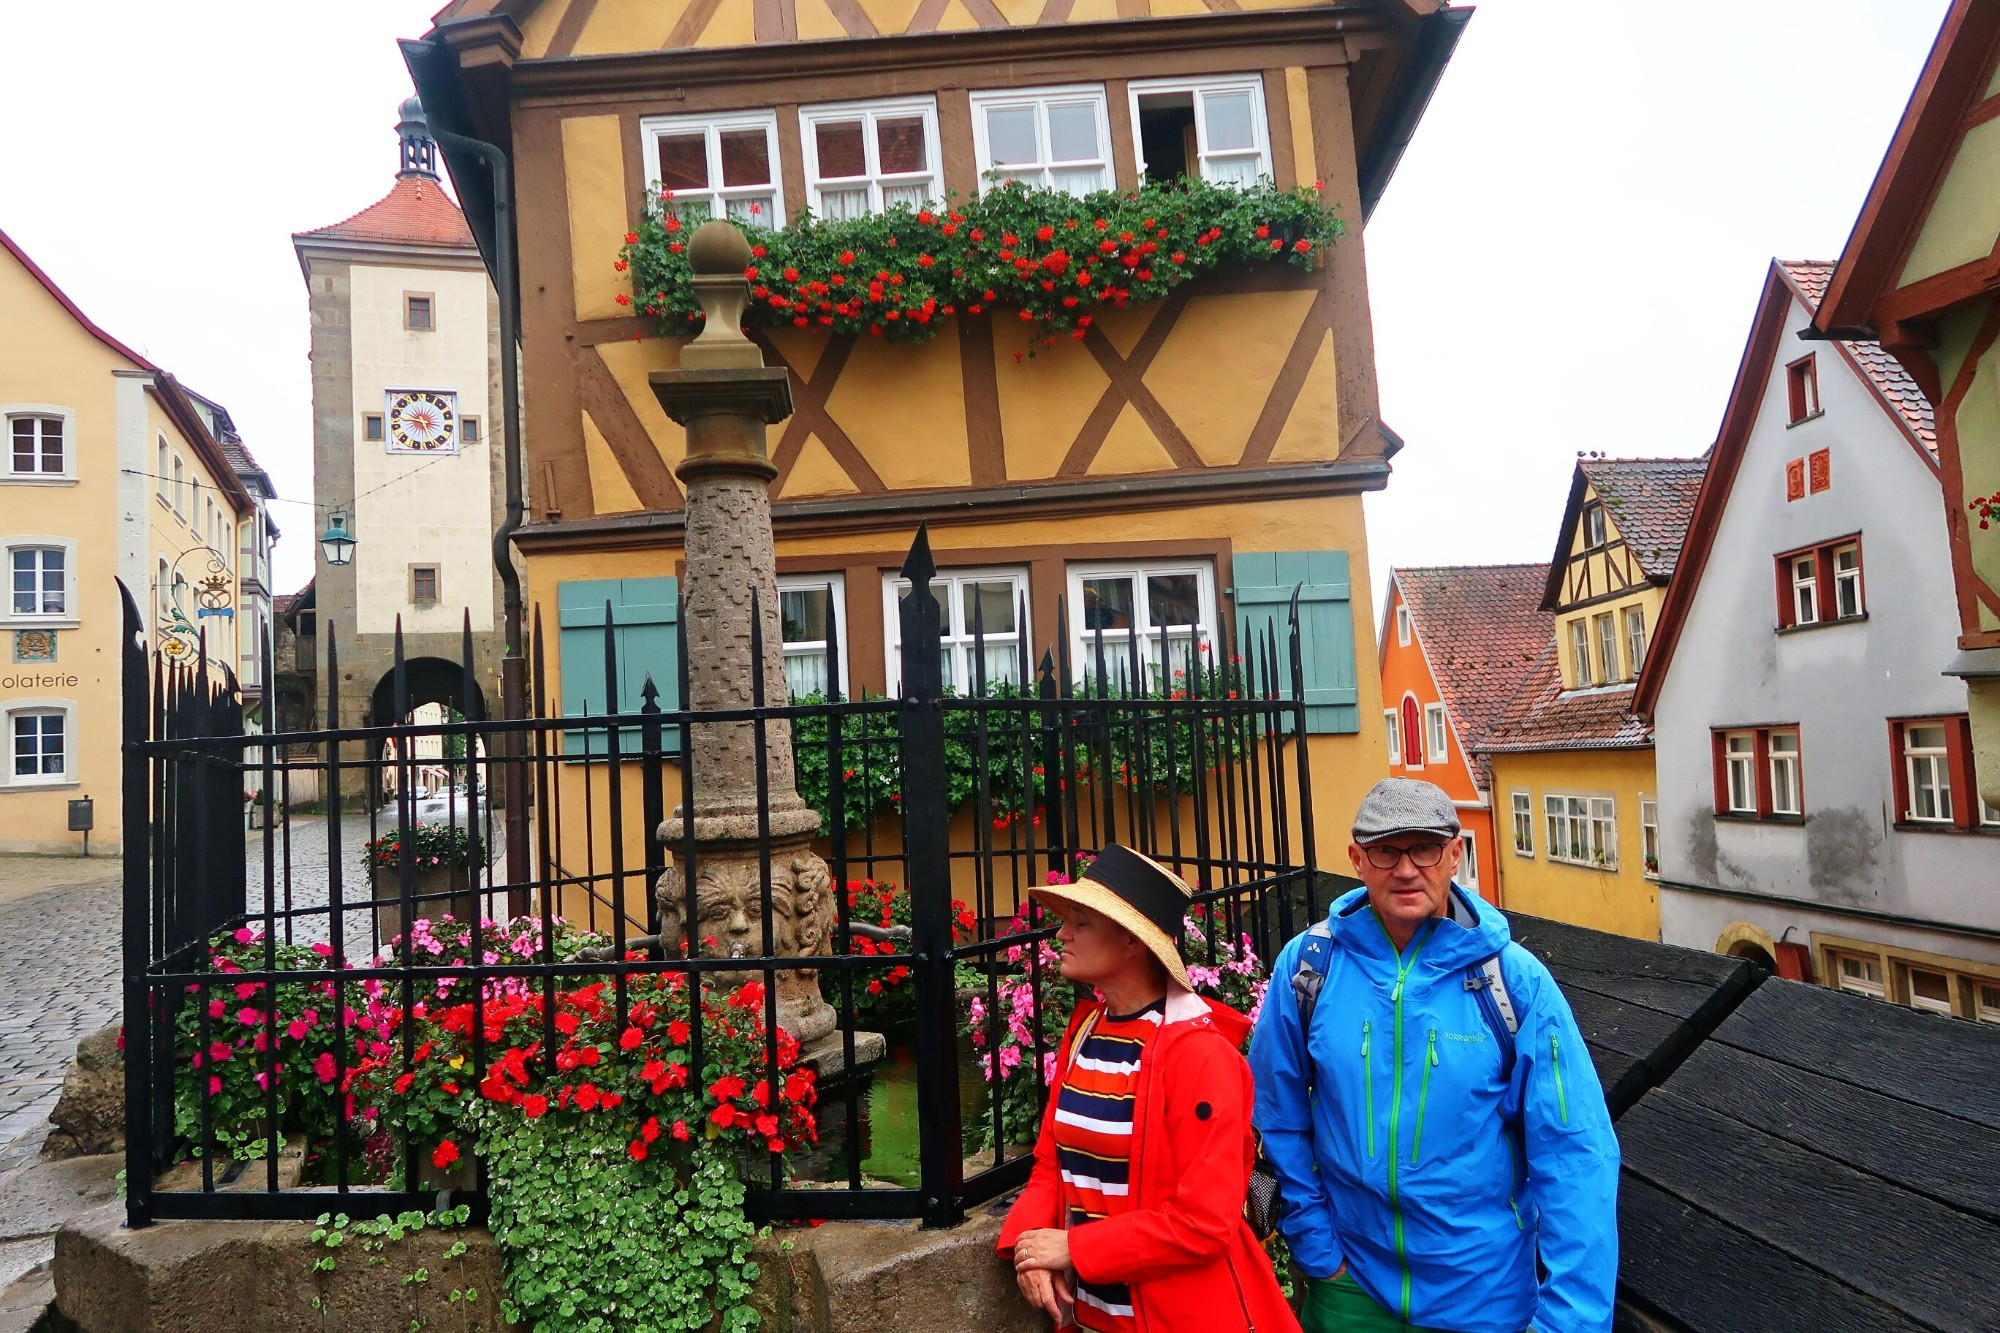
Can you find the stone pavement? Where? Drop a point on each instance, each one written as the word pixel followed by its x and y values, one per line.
pixel 59 960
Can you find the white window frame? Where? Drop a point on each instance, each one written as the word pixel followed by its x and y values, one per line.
pixel 1925 1003
pixel 1083 640
pixel 1437 734
pixel 1937 760
pixel 1875 987
pixel 1260 125
pixel 160 598
pixel 1395 724
pixel 1846 580
pixel 180 487
pixel 1402 625
pixel 64 708
pixel 1604 628
pixel 931 179
pixel 1739 768
pixel 1635 638
pixel 1787 785
pixel 1649 835
pixel 1041 174
pixel 163 452
pixel 1522 805
pixel 1468 861
pixel 68 617
pixel 718 197
pixel 1596 528
pixel 947 584
pixel 1579 650
pixel 1986 1000
pixel 64 476
pixel 1583 829
pixel 1805 589
pixel 811 647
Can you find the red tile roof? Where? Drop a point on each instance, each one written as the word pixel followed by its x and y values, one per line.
pixel 1650 501
pixel 1481 628
pixel 1882 371
pixel 416 212
pixel 1541 716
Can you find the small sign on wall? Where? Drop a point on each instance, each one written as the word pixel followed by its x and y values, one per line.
pixel 1820 465
pixel 1795 480
pixel 34 645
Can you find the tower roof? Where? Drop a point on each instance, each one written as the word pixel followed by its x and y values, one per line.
pixel 416 211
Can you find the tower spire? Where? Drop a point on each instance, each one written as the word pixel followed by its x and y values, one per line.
pixel 419 149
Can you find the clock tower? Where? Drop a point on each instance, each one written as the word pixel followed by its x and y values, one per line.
pixel 406 398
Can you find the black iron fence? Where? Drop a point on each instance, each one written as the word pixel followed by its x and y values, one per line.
pixel 319 1004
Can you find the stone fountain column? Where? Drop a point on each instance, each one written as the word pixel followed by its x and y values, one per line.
pixel 726 396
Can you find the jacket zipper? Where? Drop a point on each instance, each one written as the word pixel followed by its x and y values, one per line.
pixel 1519 1225
pixel 1368 1087
pixel 1249 1324
pixel 1424 1096
pixel 1396 1113
pixel 1562 1097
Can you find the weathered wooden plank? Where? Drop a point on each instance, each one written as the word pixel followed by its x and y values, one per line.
pixel 1697 1272
pixel 1594 952
pixel 1923 1149
pixel 1926 1059
pixel 1936 1265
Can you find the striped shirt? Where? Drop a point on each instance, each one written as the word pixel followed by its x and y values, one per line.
pixel 1094 1113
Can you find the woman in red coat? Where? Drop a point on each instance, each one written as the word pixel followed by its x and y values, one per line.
pixel 1132 1221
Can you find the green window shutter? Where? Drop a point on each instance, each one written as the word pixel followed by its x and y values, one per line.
pixel 646 638
pixel 1263 593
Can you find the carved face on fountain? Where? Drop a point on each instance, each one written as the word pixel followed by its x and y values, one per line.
pixel 729 908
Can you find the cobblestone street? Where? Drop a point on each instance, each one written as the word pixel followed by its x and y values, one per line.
pixel 59 955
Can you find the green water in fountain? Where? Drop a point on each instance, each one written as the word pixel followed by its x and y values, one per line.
pixel 887 1104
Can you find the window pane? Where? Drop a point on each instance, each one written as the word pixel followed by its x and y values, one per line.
pixel 1173 600
pixel 1107 604
pixel 842 205
pixel 899 143
pixel 1228 117
pixel 746 157
pixel 1073 132
pixel 842 150
pixel 802 614
pixel 1087 180
pixel 995 604
pixel 24 444
pixel 1010 134
pixel 755 209
pixel 1925 738
pixel 911 196
pixel 1240 170
pixel 684 161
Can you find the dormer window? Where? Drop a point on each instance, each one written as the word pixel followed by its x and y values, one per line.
pixel 1214 129
pixel 864 157
pixel 717 166
pixel 1802 389
pixel 1593 525
pixel 1053 138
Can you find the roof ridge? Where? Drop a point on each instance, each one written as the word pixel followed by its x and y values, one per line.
pixel 1421 569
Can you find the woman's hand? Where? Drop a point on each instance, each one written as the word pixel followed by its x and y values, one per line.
pixel 1045 1248
pixel 1045 1291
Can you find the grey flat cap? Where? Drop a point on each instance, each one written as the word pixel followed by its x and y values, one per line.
pixel 1404 805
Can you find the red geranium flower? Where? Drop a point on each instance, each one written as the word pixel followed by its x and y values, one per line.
pixel 446 1154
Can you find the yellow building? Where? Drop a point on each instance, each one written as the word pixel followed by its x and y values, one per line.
pixel 1573 780
pixel 1181 461
pixel 113 473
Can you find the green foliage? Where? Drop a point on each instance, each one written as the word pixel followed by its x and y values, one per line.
pixel 871 763
pixel 598 1243
pixel 1057 260
pixel 372 1238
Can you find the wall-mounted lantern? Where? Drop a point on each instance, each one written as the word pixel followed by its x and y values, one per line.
pixel 337 542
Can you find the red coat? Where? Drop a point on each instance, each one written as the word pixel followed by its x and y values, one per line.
pixel 1183 1247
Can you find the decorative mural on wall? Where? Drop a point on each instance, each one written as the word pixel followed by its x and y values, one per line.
pixel 199 588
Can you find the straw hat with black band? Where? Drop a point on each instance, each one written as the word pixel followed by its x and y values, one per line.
pixel 1139 894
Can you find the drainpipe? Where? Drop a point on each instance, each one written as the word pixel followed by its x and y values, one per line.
pixel 513 666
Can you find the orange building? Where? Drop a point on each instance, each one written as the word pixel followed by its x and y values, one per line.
pixel 1456 643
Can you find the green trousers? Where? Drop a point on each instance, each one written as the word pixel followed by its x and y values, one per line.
pixel 1339 1305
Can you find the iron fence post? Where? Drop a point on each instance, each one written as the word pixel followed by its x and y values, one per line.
pixel 136 936
pixel 927 858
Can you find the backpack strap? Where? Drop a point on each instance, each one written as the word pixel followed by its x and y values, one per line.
pixel 1488 984
pixel 1315 956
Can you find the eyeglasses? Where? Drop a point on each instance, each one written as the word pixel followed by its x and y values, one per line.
pixel 1423 856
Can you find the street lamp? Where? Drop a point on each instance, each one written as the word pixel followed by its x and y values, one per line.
pixel 337 542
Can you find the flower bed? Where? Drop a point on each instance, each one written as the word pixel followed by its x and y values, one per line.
pixel 1056 260
pixel 887 1000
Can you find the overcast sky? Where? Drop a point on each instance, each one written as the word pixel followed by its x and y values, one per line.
pixel 1567 259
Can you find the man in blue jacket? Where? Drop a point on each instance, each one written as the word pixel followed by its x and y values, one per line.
pixel 1434 1129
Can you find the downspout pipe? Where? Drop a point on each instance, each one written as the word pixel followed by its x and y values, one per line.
pixel 513 665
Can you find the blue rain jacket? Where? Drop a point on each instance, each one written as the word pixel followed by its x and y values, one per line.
pixel 1411 1160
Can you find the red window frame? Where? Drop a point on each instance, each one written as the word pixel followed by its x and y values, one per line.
pixel 1965 798
pixel 1825 599
pixel 1413 735
pixel 1718 739
pixel 1802 388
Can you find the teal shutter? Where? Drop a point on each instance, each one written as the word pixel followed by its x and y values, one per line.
pixel 646 639
pixel 1264 583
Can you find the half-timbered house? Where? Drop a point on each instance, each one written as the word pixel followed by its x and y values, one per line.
pixel 1570 759
pixel 1183 461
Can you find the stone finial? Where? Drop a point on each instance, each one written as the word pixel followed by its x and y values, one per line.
pixel 718 254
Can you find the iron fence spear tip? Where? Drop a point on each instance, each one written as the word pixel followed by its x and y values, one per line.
pixel 919 566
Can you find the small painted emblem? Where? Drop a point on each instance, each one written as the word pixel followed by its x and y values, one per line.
pixel 35 645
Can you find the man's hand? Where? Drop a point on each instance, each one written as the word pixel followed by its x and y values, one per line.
pixel 1045 1248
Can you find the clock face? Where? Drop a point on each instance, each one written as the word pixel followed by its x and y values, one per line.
pixel 422 421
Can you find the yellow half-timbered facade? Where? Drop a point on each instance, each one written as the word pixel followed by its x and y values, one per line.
pixel 1179 462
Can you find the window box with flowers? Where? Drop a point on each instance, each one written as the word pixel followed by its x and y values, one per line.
pixel 1055 259
pixel 441 857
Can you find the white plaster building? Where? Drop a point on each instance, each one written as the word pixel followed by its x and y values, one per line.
pixel 1817 806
